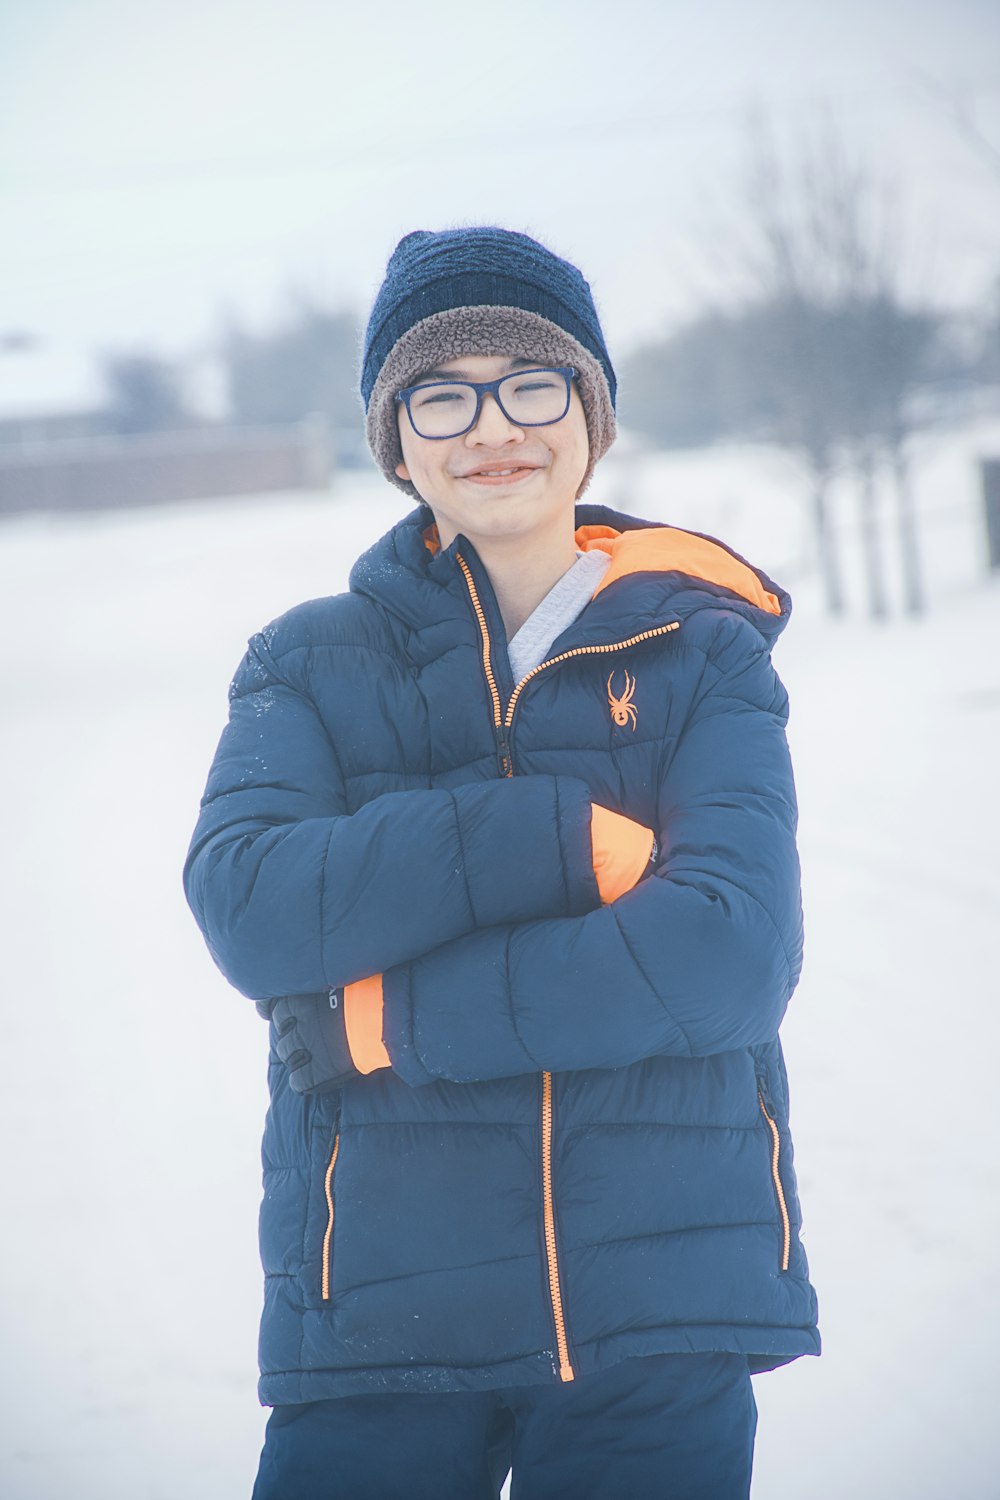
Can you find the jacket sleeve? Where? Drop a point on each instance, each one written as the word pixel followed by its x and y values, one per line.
pixel 295 894
pixel 700 958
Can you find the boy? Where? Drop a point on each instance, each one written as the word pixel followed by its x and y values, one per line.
pixel 503 843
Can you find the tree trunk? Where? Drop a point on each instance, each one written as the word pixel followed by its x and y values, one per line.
pixel 871 544
pixel 909 541
pixel 826 547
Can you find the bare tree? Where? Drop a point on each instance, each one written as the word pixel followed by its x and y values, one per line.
pixel 957 101
pixel 144 394
pixel 844 352
pixel 304 366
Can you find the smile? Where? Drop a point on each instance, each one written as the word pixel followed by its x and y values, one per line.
pixel 499 476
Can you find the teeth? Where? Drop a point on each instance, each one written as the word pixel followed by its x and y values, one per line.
pixel 494 473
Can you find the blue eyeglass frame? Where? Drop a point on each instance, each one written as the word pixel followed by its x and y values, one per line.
pixel 493 386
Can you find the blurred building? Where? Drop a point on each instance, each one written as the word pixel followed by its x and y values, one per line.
pixel 62 448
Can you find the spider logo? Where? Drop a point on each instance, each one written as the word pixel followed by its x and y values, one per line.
pixel 623 710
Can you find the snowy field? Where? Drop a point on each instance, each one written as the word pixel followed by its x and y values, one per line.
pixel 134 1081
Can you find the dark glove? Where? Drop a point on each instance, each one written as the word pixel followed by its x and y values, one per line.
pixel 312 1041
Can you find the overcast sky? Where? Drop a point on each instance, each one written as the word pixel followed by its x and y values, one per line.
pixel 161 164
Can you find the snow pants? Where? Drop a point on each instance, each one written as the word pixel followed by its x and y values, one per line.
pixel 666 1427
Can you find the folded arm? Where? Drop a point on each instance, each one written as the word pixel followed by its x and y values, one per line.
pixel 701 958
pixel 296 894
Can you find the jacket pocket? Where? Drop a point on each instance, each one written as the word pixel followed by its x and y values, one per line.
pixel 767 1110
pixel 326 1261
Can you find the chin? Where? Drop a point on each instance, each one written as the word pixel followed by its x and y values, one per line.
pixel 497 523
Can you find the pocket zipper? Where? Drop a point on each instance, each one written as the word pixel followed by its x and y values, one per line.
pixel 328 1236
pixel 786 1228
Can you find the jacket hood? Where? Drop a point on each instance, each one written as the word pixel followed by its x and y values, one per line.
pixel 657 573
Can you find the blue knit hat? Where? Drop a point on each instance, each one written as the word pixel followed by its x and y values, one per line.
pixel 461 292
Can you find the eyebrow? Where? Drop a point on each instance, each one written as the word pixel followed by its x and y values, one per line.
pixel 518 359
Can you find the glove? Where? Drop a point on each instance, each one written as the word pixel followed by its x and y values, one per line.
pixel 312 1041
pixel 624 851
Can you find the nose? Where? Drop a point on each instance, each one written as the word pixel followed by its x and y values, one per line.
pixel 492 428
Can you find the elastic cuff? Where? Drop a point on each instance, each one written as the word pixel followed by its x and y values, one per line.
pixel 574 812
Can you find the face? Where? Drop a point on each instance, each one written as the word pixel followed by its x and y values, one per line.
pixel 535 500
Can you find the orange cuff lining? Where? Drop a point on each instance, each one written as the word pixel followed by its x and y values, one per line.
pixel 363 1007
pixel 621 851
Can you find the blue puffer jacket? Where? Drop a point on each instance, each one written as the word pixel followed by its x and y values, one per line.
pixel 580 1152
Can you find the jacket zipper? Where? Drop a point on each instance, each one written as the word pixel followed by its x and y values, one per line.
pixel 566 1372
pixel 328 1236
pixel 553 661
pixel 505 762
pixel 502 722
pixel 786 1228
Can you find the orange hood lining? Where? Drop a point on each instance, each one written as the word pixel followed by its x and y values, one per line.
pixel 663 549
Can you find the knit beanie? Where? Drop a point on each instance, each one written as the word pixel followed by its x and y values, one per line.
pixel 457 293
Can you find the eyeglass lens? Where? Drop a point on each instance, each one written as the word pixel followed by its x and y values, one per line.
pixel 533 398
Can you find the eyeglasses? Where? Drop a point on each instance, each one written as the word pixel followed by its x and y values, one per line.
pixel 449 408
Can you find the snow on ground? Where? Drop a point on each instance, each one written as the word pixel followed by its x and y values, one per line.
pixel 134 1087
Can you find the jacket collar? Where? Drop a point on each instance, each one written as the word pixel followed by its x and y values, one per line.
pixel 658 573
